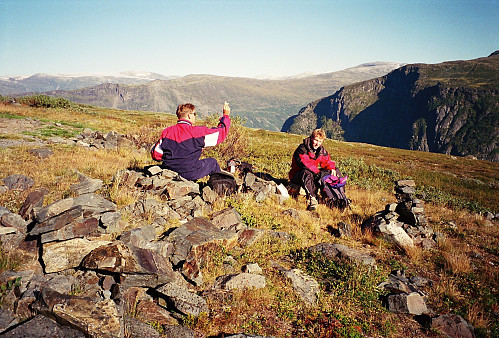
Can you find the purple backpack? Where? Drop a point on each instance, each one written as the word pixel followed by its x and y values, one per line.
pixel 335 182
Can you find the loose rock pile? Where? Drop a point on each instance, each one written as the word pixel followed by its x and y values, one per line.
pixel 99 140
pixel 403 223
pixel 408 296
pixel 405 294
pixel 88 269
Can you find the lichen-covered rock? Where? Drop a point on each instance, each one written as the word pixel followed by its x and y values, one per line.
pixel 304 285
pixel 240 281
pixel 184 301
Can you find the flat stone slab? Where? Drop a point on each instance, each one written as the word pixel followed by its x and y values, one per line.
pixel 87 185
pixel 41 326
pixel 59 256
pixel 339 251
pixel 18 182
pixel 240 281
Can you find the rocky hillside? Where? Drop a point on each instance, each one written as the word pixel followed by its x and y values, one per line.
pixel 449 108
pixel 98 241
pixel 263 103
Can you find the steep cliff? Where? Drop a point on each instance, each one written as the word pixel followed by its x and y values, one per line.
pixel 449 108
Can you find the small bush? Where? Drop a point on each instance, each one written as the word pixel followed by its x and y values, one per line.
pixel 45 101
pixel 235 145
pixel 349 286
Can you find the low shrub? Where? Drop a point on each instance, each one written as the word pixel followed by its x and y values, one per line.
pixel 45 101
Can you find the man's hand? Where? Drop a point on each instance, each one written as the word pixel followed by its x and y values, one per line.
pixel 226 108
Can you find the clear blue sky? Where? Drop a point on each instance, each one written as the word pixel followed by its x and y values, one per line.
pixel 239 38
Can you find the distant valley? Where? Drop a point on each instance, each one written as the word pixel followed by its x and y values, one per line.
pixel 263 104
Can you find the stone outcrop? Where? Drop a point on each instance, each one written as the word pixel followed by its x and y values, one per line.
pixel 403 223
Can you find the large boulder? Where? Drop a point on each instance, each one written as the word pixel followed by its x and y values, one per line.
pixel 193 242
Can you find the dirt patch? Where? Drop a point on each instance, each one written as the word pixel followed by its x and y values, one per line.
pixel 11 132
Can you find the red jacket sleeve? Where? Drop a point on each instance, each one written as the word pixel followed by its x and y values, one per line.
pixel 327 163
pixel 217 135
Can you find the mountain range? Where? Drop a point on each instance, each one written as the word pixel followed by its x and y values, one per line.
pixel 450 107
pixel 262 103
pixel 46 82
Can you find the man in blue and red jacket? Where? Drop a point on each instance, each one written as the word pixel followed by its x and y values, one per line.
pixel 308 160
pixel 181 144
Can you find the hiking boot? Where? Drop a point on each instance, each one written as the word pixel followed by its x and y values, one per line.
pixel 312 203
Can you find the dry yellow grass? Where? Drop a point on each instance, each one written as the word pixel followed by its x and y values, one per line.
pixel 457 261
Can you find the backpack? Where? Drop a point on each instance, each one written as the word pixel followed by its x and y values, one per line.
pixel 222 183
pixel 156 151
pixel 333 191
pixel 236 164
pixel 335 182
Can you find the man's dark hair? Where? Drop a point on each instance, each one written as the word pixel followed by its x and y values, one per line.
pixel 184 109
